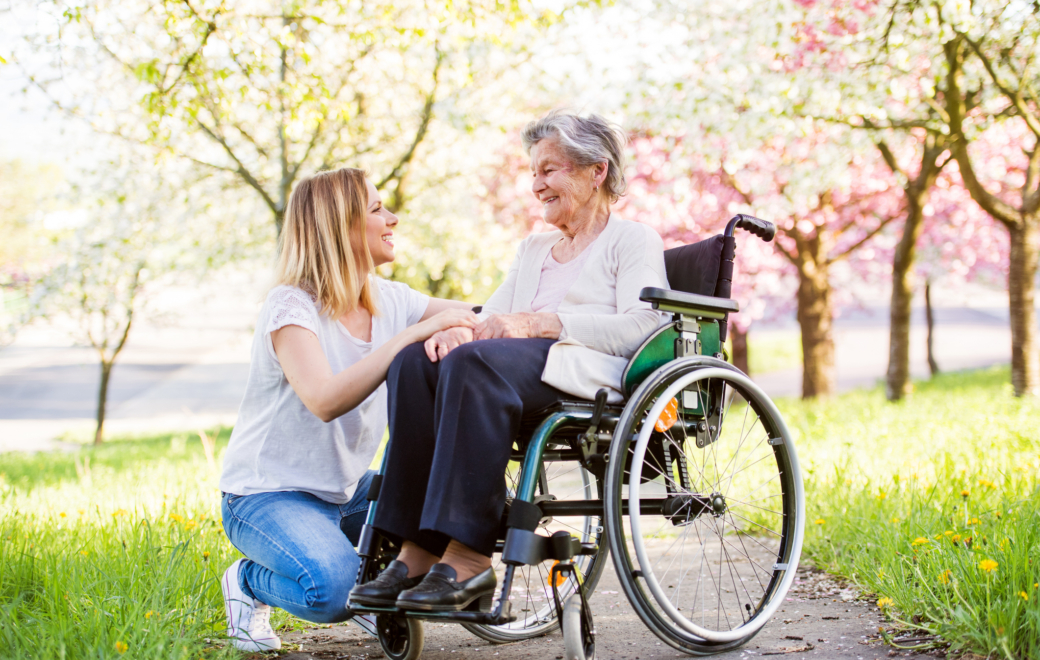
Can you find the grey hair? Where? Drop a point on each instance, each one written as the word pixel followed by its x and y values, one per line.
pixel 586 141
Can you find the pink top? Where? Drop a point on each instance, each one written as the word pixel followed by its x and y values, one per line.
pixel 556 279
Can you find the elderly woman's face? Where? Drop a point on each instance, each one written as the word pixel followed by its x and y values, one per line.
pixel 561 186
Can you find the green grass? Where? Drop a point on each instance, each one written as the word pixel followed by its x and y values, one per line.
pixel 112 552
pixel 932 505
pixel 773 351
pixel 108 546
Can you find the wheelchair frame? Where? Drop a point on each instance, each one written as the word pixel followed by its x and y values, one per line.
pixel 669 367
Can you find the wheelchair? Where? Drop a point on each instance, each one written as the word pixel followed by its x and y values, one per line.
pixel 693 484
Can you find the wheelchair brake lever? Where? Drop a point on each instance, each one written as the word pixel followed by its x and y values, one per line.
pixel 597 415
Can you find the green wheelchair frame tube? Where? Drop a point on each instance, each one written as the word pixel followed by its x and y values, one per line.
pixel 532 465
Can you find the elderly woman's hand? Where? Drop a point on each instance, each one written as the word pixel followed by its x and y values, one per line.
pixel 519 326
pixel 441 343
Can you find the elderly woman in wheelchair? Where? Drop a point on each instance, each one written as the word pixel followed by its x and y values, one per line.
pixel 564 323
pixel 682 464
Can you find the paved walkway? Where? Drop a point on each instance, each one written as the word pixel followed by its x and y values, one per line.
pixel 821 619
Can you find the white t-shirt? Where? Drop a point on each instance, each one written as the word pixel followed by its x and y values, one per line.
pixel 279 445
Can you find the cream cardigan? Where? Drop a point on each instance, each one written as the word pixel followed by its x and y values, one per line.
pixel 604 322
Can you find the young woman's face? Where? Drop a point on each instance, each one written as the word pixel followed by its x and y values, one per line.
pixel 379 228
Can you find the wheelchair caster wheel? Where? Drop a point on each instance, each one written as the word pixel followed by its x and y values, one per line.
pixel 401 638
pixel 578 640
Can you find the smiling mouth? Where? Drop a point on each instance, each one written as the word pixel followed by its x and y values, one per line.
pixel 388 239
pixel 549 200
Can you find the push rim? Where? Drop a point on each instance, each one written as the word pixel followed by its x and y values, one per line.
pixel 728 525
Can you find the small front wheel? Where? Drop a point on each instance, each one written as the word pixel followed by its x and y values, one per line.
pixel 401 638
pixel 578 640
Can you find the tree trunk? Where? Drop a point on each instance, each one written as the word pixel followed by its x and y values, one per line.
pixel 929 316
pixel 279 222
pixel 740 350
pixel 106 371
pixel 816 319
pixel 1025 363
pixel 897 380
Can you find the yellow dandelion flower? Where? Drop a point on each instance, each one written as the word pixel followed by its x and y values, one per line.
pixel 84 553
pixel 955 538
pixel 920 540
pixel 81 511
pixel 988 565
pixel 176 518
pixel 62 514
pixel 1023 595
pixel 149 614
pixel 986 483
pixel 885 602
pixel 973 521
pixel 882 494
pixel 190 525
pixel 121 647
pixel 118 512
pixel 819 521
pixel 948 532
pixel 965 492
pixel 895 520
pixel 205 555
pixel 944 577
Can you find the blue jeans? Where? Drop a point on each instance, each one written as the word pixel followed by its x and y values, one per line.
pixel 299 549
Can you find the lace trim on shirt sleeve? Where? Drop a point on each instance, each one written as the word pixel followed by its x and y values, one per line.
pixel 292 306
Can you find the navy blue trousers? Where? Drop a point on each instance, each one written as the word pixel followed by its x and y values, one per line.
pixel 452 426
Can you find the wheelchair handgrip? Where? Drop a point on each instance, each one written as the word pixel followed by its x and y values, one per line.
pixel 762 228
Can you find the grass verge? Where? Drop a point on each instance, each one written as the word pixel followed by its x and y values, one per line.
pixel 932 504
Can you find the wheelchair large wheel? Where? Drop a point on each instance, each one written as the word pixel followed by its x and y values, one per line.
pixel 704 505
pixel 531 594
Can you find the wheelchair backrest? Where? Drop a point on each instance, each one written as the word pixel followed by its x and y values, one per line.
pixel 694 268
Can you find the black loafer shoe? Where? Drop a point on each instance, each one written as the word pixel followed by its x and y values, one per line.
pixel 383 590
pixel 441 592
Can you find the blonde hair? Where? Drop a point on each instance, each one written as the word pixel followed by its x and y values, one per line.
pixel 323 247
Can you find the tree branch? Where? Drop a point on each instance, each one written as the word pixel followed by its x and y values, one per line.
pixel 241 170
pixel 1013 95
pixel 424 123
pixel 989 202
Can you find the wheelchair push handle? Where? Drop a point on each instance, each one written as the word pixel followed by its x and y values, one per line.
pixel 762 228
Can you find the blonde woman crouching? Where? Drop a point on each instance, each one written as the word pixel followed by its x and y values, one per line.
pixel 296 469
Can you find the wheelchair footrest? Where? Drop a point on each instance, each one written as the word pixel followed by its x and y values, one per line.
pixel 524 547
pixel 468 616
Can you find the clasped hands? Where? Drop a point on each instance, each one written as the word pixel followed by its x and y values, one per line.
pixel 498 326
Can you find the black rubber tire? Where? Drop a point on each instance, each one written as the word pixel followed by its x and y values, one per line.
pixel 790 519
pixel 400 638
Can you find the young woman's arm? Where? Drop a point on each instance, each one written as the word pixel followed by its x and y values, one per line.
pixel 329 395
pixel 438 305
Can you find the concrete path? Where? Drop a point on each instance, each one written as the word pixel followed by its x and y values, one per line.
pixel 820 619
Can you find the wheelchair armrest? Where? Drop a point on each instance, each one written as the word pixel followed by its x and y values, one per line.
pixel 680 302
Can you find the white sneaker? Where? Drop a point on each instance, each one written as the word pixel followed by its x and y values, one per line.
pixel 366 622
pixel 248 620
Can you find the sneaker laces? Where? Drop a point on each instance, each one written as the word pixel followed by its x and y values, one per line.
pixel 260 622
